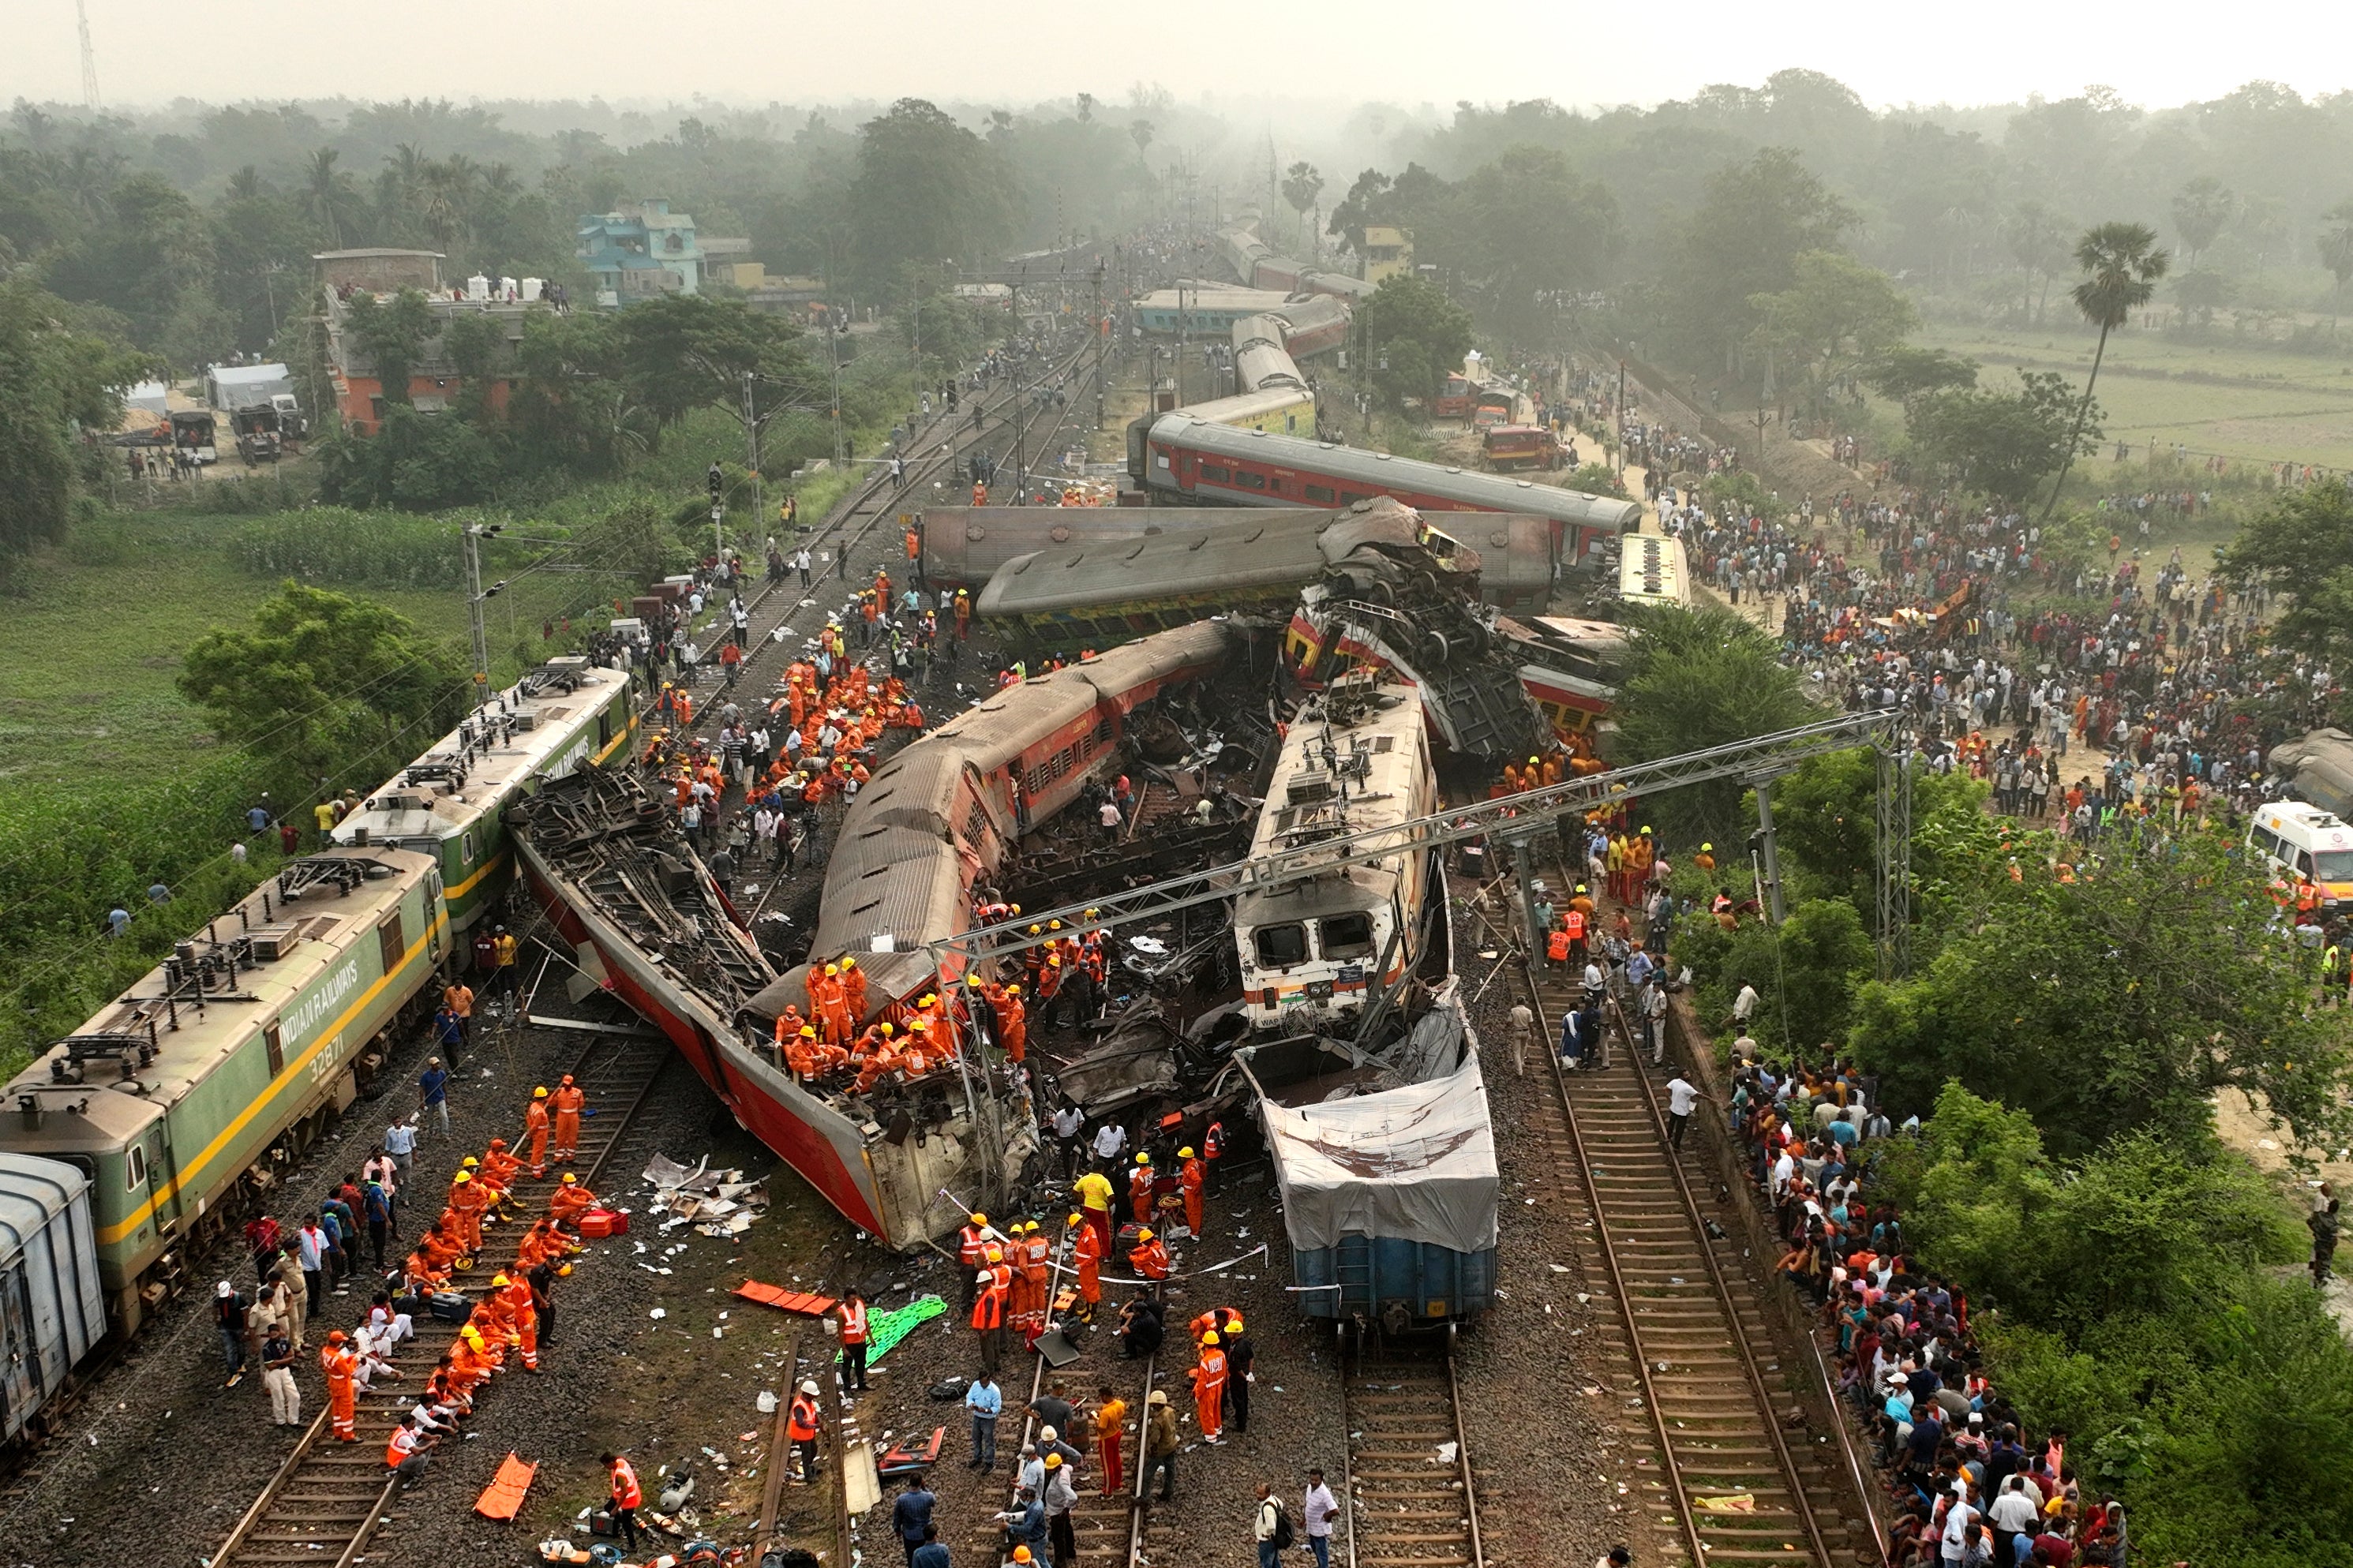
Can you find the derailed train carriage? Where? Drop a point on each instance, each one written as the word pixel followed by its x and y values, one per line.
pixel 1367 1081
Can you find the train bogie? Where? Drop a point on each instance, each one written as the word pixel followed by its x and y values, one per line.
pixel 52 1308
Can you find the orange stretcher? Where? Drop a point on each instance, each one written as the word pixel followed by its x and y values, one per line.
pixel 502 1498
pixel 786 1300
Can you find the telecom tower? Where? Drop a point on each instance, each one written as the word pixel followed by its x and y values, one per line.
pixel 89 99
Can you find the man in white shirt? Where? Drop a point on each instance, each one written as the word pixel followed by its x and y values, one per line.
pixel 1744 1004
pixel 1683 1097
pixel 1316 1509
pixel 1110 1142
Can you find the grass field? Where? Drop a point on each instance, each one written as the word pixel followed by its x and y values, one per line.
pixel 2245 402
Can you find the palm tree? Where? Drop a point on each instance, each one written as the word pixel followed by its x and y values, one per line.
pixel 328 196
pixel 2121 266
pixel 245 185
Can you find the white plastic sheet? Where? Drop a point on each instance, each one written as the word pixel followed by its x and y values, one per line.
pixel 1416 1163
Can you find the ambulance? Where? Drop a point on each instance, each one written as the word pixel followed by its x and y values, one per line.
pixel 2304 842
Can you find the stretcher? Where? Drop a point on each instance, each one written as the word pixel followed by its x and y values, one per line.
pixel 786 1300
pixel 906 1459
pixel 502 1498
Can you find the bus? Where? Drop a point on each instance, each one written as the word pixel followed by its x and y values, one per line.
pixel 1653 570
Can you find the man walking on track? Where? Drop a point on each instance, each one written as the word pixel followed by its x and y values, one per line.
pixel 569 1099
pixel 535 1127
pixel 1111 1414
pixel 854 1340
pixel 1209 1387
pixel 1682 1099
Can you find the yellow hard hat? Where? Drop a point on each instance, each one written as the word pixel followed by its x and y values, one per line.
pixel 569 1178
pixel 1532 762
pixel 1053 1461
pixel 1143 1234
pixel 1013 991
pixel 501 1280
pixel 848 962
pixel 469 1163
pixel 888 1030
pixel 1144 1159
pixel 1053 925
pixel 833 968
pixel 1210 1338
pixel 1075 1219
pixel 980 1218
pixel 1090 915
pixel 1015 907
pixel 972 979
pixel 1707 849
pixel 808 1032
pixel 997 1255
pixel 1234 1324
pixel 462 1180
pixel 540 1093
pixel 1036 930
pixel 1186 1152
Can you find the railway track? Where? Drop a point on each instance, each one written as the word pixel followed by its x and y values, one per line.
pixel 1725 1485
pixel 328 1499
pixel 1410 1496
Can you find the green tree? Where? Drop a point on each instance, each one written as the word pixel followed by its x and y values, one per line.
pixel 2004 444
pixel 2121 265
pixel 1836 315
pixel 2201 210
pixel 2121 1000
pixel 1743 240
pixel 53 378
pixel 2038 243
pixel 330 200
pixel 926 190
pixel 2300 547
pixel 1301 187
pixel 1908 374
pixel 1696 678
pixel 320 674
pixel 1826 819
pixel 677 352
pixel 1415 336
pixel 1536 232
pixel 476 343
pixel 2202 292
pixel 393 337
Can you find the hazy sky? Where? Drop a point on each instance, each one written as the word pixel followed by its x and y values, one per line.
pixel 1405 51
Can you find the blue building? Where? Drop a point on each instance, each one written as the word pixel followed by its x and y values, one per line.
pixel 639 250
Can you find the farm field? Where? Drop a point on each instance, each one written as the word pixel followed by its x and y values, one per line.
pixel 2251 404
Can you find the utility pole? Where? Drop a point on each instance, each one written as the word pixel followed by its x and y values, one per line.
pixel 833 358
pixel 89 99
pixel 473 534
pixel 1019 432
pixel 1103 334
pixel 1621 416
pixel 752 442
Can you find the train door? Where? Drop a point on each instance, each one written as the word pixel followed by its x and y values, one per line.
pixel 20 1375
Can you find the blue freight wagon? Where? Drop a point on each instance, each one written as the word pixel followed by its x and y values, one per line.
pixel 1389 1194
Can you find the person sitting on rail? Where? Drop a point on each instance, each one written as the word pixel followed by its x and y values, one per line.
pixel 570 1200
pixel 499 1170
pixel 1149 1257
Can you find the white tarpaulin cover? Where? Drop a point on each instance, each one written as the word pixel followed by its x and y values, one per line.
pixel 1416 1163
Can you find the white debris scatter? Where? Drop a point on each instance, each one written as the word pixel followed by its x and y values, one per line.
pixel 658 1313
pixel 715 1203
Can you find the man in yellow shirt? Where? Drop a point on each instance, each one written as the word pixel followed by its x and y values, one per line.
pixel 1094 1191
pixel 326 814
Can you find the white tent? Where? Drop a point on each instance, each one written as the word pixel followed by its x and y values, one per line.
pixel 1416 1163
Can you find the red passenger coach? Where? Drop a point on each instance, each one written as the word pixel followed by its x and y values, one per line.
pixel 1180 457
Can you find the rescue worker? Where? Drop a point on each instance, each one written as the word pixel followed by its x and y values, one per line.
pixel 569 1100
pixel 1189 1178
pixel 1086 1253
pixel 405 1451
pixel 1213 1149
pixel 534 1128
pixel 570 1201
pixel 801 1429
pixel 523 1314
pixel 1094 1192
pixel 1148 1257
pixel 830 1002
pixel 1139 1191
pixel 466 1200
pixel 627 1498
pixel 855 1338
pixel 1012 1022
pixel 853 990
pixel 992 1286
pixel 1034 1262
pixel 1209 1375
pixel 342 1368
pixel 972 1251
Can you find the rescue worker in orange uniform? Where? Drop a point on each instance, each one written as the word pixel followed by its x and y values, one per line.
pixel 1036 1265
pixel 500 1168
pixel 341 1367
pixel 800 1430
pixel 1208 1376
pixel 467 1201
pixel 831 1003
pixel 569 1099
pixel 1148 1257
pixel 1213 1149
pixel 853 990
pixel 972 1251
pixel 1086 1251
pixel 535 1127
pixel 1012 1022
pixel 1139 1190
pixel 627 1496
pixel 570 1201
pixel 524 1318
pixel 1190 1178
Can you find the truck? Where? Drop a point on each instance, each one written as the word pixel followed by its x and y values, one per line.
pixel 192 433
pixel 1510 447
pixel 259 439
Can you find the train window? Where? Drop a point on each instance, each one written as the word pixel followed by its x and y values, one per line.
pixel 1320 493
pixel 1216 475
pixel 1350 498
pixel 134 1169
pixel 394 941
pixel 275 1045
pixel 604 729
pixel 1280 947
pixel 1249 480
pixel 1347 936
pixel 466 848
